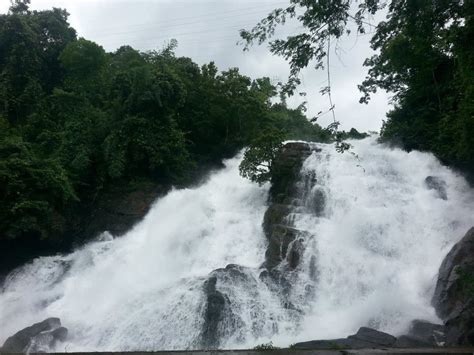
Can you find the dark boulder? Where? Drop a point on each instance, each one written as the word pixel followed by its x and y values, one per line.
pixel 38 337
pixel 365 338
pixel 213 315
pixel 286 170
pixel 220 321
pixel 342 343
pixel 430 332
pixel 317 203
pixel 437 184
pixel 408 341
pixel 454 293
pixel 293 255
pixel 372 336
pixel 275 214
pixel 422 334
pixel 279 242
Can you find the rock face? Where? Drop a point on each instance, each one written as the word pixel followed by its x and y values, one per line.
pixel 214 313
pixel 40 337
pixel 454 293
pixel 422 334
pixel 292 193
pixel 220 322
pixel 282 257
pixel 287 195
pixel 365 338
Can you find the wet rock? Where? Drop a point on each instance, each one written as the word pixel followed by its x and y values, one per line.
pixel 279 241
pixel 408 341
pixel 422 334
pixel 430 332
pixel 275 215
pixel 437 184
pixel 293 257
pixel 213 315
pixel 286 170
pixel 287 197
pixel 342 343
pixel 317 202
pixel 39 337
pixel 365 338
pixel 220 321
pixel 453 296
pixel 373 336
pixel 46 341
pixel 313 270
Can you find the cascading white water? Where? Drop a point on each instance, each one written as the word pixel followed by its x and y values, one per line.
pixel 381 238
pixel 377 245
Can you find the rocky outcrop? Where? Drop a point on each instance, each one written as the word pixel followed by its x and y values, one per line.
pixel 286 171
pixel 220 322
pixel 287 194
pixel 365 338
pixel 437 184
pixel 40 337
pixel 213 315
pixel 454 293
pixel 422 334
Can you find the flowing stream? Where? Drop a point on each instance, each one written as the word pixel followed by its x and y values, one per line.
pixel 377 246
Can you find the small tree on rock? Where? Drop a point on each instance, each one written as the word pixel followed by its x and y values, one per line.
pixel 259 157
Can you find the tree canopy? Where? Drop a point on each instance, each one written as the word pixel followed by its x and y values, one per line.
pixel 424 57
pixel 76 120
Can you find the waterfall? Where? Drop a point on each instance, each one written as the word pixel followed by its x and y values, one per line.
pixel 375 245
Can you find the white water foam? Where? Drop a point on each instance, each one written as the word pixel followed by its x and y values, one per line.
pixel 378 245
pixel 381 238
pixel 143 290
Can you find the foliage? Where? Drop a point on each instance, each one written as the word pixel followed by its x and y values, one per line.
pixel 76 121
pixel 32 189
pixel 320 21
pixel 424 56
pixel 259 157
pixel 352 134
pixel 266 347
pixel 427 59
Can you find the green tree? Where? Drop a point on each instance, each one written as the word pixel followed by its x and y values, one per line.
pixel 32 189
pixel 30 42
pixel 77 123
pixel 259 157
pixel 424 57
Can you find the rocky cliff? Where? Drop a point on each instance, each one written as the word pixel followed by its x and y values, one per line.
pixel 454 294
pixel 285 245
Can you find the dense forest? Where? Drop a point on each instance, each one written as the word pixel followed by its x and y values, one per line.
pixel 424 58
pixel 76 121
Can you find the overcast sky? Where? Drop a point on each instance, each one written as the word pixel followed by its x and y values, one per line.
pixel 208 31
